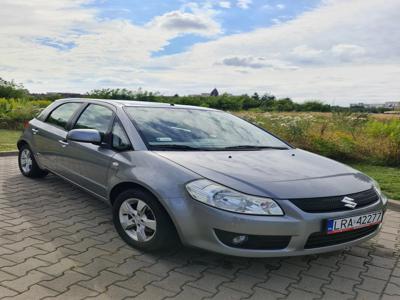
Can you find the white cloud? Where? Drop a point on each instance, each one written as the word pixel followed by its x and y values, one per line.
pixel 348 52
pixel 342 50
pixel 280 6
pixel 183 22
pixel 244 4
pixel 225 4
pixel 306 53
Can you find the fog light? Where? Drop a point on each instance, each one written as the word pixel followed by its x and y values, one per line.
pixel 240 239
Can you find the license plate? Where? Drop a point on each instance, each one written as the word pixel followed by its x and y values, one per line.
pixel 352 223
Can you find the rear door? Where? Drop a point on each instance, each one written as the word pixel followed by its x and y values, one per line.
pixel 48 134
pixel 87 164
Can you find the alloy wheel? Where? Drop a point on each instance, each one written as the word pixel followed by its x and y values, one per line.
pixel 26 160
pixel 138 220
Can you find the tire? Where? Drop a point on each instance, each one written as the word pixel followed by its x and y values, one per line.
pixel 28 165
pixel 158 234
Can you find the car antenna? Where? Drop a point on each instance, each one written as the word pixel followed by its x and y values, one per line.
pixel 172 104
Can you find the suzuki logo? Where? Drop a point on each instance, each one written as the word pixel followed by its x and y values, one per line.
pixel 349 202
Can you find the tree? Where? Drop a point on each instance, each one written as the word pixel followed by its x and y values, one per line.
pixel 10 89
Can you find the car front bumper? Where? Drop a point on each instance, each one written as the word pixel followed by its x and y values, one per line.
pixel 198 229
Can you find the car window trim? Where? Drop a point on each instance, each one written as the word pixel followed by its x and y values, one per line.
pixel 69 120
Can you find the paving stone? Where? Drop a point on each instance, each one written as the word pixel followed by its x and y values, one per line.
pixel 22 283
pixel 289 270
pixel 319 271
pixel 59 268
pixel 225 293
pixel 263 294
pixel 23 268
pixel 173 281
pixel 75 292
pixel 335 295
pixel 191 293
pixel 377 272
pixel 310 283
pixel 297 294
pixel 6 276
pixel 23 255
pixel 102 281
pixel 392 290
pixel 348 271
pixel 243 283
pixel 95 267
pixel 342 284
pixel 35 292
pixel 209 282
pixel 372 284
pixel 129 267
pixel 62 282
pixel 154 293
pixel 56 242
pixel 115 293
pixel 277 283
pixel 138 281
pixel 366 295
pixel 160 268
pixel 5 292
pixel 383 262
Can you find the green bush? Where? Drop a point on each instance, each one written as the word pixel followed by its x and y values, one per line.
pixel 14 112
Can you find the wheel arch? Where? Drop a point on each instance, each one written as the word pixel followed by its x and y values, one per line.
pixel 22 142
pixel 123 186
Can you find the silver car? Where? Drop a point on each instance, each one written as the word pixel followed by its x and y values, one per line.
pixel 202 177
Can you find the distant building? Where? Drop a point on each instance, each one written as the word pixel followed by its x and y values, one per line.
pixel 395 105
pixel 214 93
pixel 392 105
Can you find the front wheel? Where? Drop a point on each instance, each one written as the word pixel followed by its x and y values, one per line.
pixel 142 222
pixel 27 164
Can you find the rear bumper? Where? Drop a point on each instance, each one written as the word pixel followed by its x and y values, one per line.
pixel 197 229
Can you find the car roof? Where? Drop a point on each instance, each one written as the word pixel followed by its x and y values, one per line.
pixel 129 103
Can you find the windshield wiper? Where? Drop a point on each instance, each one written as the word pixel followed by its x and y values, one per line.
pixel 253 147
pixel 177 147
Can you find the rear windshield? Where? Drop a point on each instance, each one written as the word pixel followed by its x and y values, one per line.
pixel 186 129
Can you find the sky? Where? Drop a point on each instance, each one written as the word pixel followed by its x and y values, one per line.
pixel 337 51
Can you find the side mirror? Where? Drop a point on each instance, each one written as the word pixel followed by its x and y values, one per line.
pixel 85 136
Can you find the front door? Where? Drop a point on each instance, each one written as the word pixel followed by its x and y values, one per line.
pixel 88 164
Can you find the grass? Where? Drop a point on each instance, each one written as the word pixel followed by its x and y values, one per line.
pixel 388 177
pixel 8 139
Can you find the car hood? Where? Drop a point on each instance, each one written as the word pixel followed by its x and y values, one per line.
pixel 280 174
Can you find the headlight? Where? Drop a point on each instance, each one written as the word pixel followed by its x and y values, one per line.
pixel 222 197
pixel 379 191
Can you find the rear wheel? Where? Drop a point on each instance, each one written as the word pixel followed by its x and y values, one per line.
pixel 142 222
pixel 27 163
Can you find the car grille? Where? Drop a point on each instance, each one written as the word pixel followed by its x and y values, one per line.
pixel 259 242
pixel 322 239
pixel 331 204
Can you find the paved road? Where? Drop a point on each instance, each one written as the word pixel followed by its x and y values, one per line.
pixel 56 242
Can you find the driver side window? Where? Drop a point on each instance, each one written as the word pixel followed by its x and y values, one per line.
pixel 95 117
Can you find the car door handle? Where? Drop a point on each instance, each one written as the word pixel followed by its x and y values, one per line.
pixel 35 131
pixel 63 143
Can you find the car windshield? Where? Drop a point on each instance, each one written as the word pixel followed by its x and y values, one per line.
pixel 188 129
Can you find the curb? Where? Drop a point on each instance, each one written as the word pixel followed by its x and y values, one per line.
pixel 8 153
pixel 394 204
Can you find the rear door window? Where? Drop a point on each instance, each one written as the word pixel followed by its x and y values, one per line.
pixel 62 114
